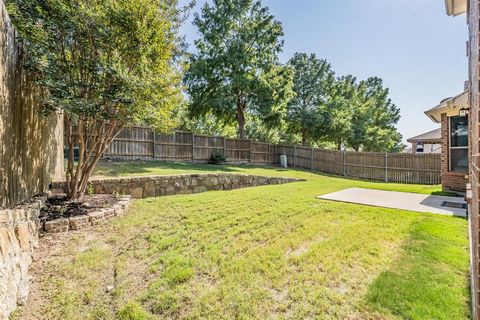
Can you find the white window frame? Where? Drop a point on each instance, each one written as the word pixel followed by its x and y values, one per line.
pixel 454 148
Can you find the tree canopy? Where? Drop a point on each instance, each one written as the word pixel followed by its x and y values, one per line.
pixel 374 117
pixel 308 110
pixel 106 64
pixel 236 68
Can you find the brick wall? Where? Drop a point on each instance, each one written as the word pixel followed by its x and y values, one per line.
pixel 451 181
pixel 474 77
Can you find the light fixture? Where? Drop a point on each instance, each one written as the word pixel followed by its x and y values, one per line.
pixel 463 112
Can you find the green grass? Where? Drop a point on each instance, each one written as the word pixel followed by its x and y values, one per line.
pixel 145 168
pixel 271 252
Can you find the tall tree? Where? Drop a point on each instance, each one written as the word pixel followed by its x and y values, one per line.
pixel 236 68
pixel 374 118
pixel 106 64
pixel 342 97
pixel 307 112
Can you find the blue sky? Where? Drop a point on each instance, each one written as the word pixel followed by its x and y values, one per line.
pixel 412 44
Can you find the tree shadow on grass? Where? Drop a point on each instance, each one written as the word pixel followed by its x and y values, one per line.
pixel 125 168
pixel 429 280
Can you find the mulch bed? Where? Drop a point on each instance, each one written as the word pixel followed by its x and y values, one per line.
pixel 57 206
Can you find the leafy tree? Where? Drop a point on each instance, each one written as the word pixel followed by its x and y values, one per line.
pixel 106 64
pixel 342 97
pixel 206 124
pixel 236 68
pixel 308 111
pixel 374 118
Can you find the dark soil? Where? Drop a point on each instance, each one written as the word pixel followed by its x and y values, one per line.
pixel 58 206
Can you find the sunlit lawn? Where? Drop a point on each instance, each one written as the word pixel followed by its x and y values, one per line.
pixel 272 252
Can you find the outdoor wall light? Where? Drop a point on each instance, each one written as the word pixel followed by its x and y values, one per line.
pixel 463 112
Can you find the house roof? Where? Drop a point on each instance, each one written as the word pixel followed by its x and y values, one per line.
pixel 450 106
pixel 455 7
pixel 434 136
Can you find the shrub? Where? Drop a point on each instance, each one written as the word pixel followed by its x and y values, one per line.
pixel 217 157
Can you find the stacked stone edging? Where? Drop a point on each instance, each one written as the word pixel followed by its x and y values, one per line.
pixel 19 228
pixel 156 186
pixel 89 219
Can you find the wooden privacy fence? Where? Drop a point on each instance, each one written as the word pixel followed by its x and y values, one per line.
pixel 135 143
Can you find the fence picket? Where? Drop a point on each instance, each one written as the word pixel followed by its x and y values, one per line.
pixel 143 143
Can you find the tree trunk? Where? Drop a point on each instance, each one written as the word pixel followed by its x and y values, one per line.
pixel 339 145
pixel 304 137
pixel 241 117
pixel 92 138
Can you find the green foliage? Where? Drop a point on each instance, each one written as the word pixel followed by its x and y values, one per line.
pixel 308 111
pixel 207 124
pixel 374 118
pixel 342 96
pixel 105 64
pixel 90 189
pixel 108 59
pixel 236 68
pixel 362 116
pixel 217 157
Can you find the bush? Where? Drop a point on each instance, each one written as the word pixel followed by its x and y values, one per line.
pixel 217 157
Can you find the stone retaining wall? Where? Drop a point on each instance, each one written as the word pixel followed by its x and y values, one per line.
pixel 90 219
pixel 155 186
pixel 19 229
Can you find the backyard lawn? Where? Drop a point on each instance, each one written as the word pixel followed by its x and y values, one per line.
pixel 271 252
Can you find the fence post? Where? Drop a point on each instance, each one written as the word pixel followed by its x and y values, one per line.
pixel 295 156
pixel 193 147
pixel 224 146
pixel 386 167
pixel 344 165
pixel 174 146
pixel 311 161
pixel 275 155
pixel 268 155
pixel 250 152
pixel 154 144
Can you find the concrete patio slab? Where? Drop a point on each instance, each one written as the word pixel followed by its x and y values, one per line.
pixel 399 200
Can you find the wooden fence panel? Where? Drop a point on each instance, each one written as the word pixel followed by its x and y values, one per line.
pixel 238 150
pixel 260 153
pixel 414 168
pixel 139 142
pixel 184 146
pixel 303 157
pixel 205 145
pixel 164 146
pixel 365 165
pixel 31 146
pixel 132 143
pixel 289 151
pixel 329 161
pixel 273 156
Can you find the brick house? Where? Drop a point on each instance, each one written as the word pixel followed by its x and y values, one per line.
pixel 451 114
pixel 428 142
pixel 472 9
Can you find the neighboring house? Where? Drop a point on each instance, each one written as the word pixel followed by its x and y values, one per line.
pixel 472 9
pixel 428 142
pixel 451 113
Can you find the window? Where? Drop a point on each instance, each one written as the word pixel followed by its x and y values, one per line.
pixel 458 144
